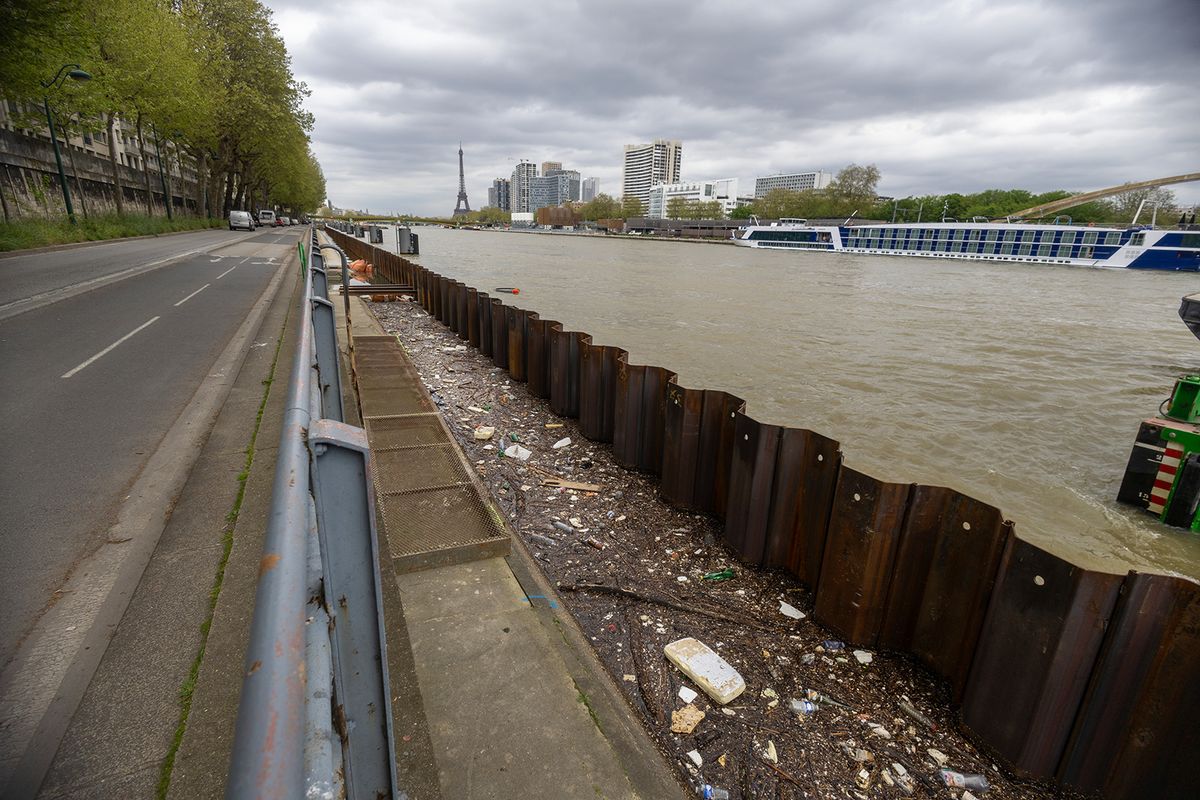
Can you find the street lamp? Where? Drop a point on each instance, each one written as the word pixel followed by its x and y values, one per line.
pixel 76 74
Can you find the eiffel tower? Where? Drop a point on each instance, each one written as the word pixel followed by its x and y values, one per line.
pixel 462 206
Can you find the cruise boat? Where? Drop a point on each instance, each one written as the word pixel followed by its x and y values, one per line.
pixel 1134 247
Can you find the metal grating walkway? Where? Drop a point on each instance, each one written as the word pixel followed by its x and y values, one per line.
pixel 431 508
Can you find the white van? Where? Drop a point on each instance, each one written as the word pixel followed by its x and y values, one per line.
pixel 266 217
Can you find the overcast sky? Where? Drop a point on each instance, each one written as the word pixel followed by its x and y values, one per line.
pixel 942 95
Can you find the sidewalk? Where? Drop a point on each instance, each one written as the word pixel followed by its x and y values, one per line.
pixel 516 703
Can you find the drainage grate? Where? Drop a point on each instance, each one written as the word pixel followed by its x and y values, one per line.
pixel 431 508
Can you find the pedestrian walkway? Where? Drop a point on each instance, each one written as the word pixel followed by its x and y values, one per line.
pixel 516 703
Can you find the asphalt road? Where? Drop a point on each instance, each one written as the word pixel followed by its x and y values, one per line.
pixel 94 374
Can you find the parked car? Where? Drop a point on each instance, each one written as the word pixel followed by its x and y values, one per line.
pixel 241 220
pixel 266 217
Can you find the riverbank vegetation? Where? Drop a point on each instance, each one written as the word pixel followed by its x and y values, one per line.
pixel 38 232
pixel 210 78
pixel 853 193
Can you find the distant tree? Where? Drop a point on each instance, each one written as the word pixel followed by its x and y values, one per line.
pixel 632 207
pixel 743 211
pixel 779 203
pixel 1125 205
pixel 490 216
pixel 602 206
pixel 856 183
pixel 709 209
pixel 677 208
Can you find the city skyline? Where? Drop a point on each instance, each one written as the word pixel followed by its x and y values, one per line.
pixel 1006 94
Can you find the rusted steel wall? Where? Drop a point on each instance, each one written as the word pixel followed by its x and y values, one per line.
pixel 499 334
pixel 860 549
pixel 639 415
pixel 946 565
pixel 485 324
pixel 597 389
pixel 517 321
pixel 472 312
pixel 537 355
pixel 1140 712
pixel 1039 642
pixel 564 371
pixel 1062 673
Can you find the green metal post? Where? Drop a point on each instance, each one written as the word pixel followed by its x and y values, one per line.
pixel 62 176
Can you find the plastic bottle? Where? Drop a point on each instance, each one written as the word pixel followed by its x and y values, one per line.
pixel 960 781
pixel 713 793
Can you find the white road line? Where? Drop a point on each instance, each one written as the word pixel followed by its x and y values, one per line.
pixel 193 294
pixel 111 347
pixel 226 272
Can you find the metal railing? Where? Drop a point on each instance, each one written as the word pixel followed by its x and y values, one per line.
pixel 315 714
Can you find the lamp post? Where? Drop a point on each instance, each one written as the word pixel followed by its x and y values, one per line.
pixel 76 74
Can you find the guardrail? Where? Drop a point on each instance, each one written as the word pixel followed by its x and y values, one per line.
pixel 315 714
pixel 1066 674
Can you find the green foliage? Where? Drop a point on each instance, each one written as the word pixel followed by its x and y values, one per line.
pixel 212 76
pixel 487 216
pixel 632 207
pixel 602 206
pixel 38 232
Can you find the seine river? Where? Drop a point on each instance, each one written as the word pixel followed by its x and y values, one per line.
pixel 1021 385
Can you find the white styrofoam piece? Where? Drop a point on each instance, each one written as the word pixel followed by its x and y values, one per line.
pixel 713 674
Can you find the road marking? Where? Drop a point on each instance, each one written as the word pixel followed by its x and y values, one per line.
pixel 111 347
pixel 193 294
pixel 226 272
pixel 16 307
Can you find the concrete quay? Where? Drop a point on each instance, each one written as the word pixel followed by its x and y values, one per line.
pixel 496 692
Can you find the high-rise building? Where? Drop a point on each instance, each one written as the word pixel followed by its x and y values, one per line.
pixel 498 194
pixel 572 188
pixel 796 182
pixel 553 190
pixel 589 189
pixel 519 187
pixel 648 165
pixel 550 165
pixel 722 190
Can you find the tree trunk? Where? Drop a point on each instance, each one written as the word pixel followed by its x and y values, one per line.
pixel 202 184
pixel 119 194
pixel 228 195
pixel 145 167
pixel 3 200
pixel 241 192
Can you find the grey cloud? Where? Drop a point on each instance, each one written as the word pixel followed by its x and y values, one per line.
pixel 945 96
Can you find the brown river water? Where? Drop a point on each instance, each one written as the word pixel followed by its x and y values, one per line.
pixel 1021 385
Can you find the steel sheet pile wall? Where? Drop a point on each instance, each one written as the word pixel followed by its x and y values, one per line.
pixel 1065 674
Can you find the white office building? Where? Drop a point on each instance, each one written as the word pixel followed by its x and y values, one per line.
pixel 796 182
pixel 722 190
pixel 520 185
pixel 647 165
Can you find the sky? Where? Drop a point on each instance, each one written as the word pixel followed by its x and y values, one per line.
pixel 942 95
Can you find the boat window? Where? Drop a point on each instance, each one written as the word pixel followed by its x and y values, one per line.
pixel 1138 240
pixel 1006 249
pixel 1064 251
pixel 944 245
pixel 1068 237
pixel 959 235
pixel 1026 249
pixel 992 234
pixel 974 237
pixel 1010 236
pixel 1085 251
pixel 1044 250
pixel 944 234
pixel 1188 239
pixel 1090 237
pixel 1026 236
pixel 1047 237
pixel 1112 237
